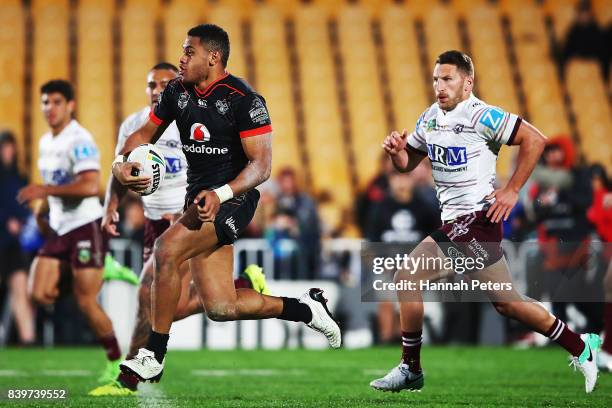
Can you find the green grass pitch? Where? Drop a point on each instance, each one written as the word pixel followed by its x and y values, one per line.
pixel 454 376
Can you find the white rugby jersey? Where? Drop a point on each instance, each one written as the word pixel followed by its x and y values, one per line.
pixel 170 196
pixel 462 146
pixel 60 159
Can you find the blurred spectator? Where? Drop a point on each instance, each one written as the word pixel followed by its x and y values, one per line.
pixel 561 193
pixel 292 202
pixel 13 264
pixel 600 213
pixel 585 39
pixel 283 235
pixel 401 216
pixel 423 184
pixel 376 191
pixel 265 211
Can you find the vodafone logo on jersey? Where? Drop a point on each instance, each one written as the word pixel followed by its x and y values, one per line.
pixel 199 133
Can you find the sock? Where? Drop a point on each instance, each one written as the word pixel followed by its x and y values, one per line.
pixel 607 344
pixel 111 347
pixel 158 344
pixel 128 381
pixel 562 335
pixel 411 350
pixel 295 311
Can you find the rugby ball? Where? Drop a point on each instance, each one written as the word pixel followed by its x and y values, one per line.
pixel 153 165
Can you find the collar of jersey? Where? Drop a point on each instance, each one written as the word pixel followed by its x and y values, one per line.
pixel 64 130
pixel 209 86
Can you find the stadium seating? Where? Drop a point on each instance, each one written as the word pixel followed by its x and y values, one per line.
pixel 538 72
pixel 325 143
pixel 261 52
pixel 225 17
pixel 12 92
pixel 494 82
pixel 273 80
pixel 409 94
pixel 50 51
pixel 562 14
pixel 138 54
pixel 363 90
pixel 94 73
pixel 179 17
pixel 586 88
pixel 437 39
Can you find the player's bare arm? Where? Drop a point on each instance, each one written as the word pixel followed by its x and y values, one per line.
pixel 115 191
pixel 531 144
pixel 86 184
pixel 403 159
pixel 258 150
pixel 150 132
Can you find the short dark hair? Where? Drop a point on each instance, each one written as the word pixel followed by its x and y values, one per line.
pixel 7 136
pixel 215 38
pixel 462 61
pixel 60 86
pixel 165 65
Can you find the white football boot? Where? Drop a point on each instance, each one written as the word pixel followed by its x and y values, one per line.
pixel 587 361
pixel 144 366
pixel 398 379
pixel 322 320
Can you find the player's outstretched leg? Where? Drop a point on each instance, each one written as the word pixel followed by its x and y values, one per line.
pixel 583 348
pixel 211 266
pixel 87 284
pixel 408 374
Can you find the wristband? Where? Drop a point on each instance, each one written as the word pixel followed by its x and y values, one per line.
pixel 224 193
pixel 119 159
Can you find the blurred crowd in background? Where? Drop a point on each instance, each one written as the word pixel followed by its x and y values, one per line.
pixel 566 200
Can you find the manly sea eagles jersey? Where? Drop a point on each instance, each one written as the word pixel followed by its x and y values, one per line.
pixel 170 196
pixel 462 146
pixel 211 123
pixel 60 159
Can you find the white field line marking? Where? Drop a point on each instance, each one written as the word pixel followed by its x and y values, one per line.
pixel 152 396
pixel 245 372
pixel 46 373
pixel 13 373
pixel 66 373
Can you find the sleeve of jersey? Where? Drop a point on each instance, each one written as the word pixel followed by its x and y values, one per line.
pixel 416 140
pixel 164 112
pixel 84 155
pixel 252 116
pixel 496 125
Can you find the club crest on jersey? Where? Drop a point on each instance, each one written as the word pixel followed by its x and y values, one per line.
pixel 492 118
pixel 449 156
pixel 458 129
pixel 431 125
pixel 222 106
pixel 199 133
pixel 202 103
pixel 182 100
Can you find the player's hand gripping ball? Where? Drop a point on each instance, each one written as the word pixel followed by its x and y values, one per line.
pixel 152 164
